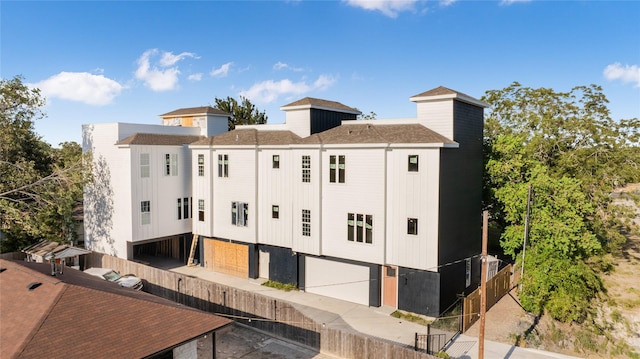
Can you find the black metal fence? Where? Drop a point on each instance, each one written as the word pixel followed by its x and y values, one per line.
pixel 430 343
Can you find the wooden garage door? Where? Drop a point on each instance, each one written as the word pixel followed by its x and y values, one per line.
pixel 231 258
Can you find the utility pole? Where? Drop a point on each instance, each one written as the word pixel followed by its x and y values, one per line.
pixel 526 233
pixel 483 284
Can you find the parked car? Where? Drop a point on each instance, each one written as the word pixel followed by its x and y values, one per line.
pixel 127 281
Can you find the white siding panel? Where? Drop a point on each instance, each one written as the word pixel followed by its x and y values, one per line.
pixel 306 196
pixel 201 189
pixel 339 280
pixel 298 122
pixel 413 195
pixel 274 188
pixel 362 193
pixel 437 116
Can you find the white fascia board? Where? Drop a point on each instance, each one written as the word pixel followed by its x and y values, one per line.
pixel 424 145
pixel 199 147
pixel 274 147
pixel 305 146
pixel 356 145
pixel 455 96
pixel 234 147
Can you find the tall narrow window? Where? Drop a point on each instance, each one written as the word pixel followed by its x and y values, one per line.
pixel 412 226
pixel 275 212
pixel 306 168
pixel 179 208
pixel 350 226
pixel 223 165
pixel 359 228
pixel 174 164
pixel 201 210
pixel 171 164
pixel 145 212
pixel 306 223
pixel 276 161
pixel 234 213
pixel 145 169
pixel 368 229
pixel 413 163
pixel 185 208
pixel 167 164
pixel 200 165
pixel 341 169
pixel 332 169
pixel 468 272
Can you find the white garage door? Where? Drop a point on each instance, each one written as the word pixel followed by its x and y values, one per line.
pixel 339 280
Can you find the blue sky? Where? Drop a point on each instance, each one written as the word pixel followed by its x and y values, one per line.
pixel 130 61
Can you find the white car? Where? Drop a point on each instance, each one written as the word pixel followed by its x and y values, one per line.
pixel 127 281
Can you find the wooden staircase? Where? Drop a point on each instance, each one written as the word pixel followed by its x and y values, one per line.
pixel 192 252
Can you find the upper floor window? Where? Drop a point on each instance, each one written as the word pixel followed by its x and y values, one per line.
pixel 336 167
pixel 276 161
pixel 171 164
pixel 145 168
pixel 179 208
pixel 145 212
pixel 223 165
pixel 306 168
pixel 185 208
pixel 412 226
pixel 360 228
pixel 413 163
pixel 200 165
pixel 201 210
pixel 275 212
pixel 240 214
pixel 306 223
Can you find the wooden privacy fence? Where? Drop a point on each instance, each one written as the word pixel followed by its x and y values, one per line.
pixel 259 311
pixel 497 287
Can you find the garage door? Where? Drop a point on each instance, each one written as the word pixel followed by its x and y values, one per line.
pixel 231 258
pixel 339 280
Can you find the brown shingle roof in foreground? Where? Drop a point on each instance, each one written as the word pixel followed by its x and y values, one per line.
pixel 75 315
pixel 159 140
pixel 194 111
pixel 250 137
pixel 371 133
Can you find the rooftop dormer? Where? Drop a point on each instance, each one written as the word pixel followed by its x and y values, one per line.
pixel 311 115
pixel 211 121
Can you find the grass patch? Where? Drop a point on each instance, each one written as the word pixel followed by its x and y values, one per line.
pixel 409 317
pixel 287 287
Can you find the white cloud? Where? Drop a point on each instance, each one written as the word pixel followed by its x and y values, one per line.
pixel 195 77
pixel 281 65
pixel 268 91
pixel 222 71
pixel 509 2
pixel 624 73
pixel 164 75
pixel 447 2
pixel 82 87
pixel 390 8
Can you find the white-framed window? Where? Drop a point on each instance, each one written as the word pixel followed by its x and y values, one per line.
pixel 200 165
pixel 306 168
pixel 145 165
pixel 201 210
pixel 275 211
pixel 185 208
pixel 145 212
pixel 223 165
pixel 179 208
pixel 240 214
pixel 275 161
pixel 306 223
pixel 360 228
pixel 413 163
pixel 412 226
pixel 336 169
pixel 171 164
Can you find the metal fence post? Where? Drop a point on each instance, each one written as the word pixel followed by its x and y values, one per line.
pixel 428 338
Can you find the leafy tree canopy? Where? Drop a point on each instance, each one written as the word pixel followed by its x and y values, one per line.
pixel 566 146
pixel 39 185
pixel 244 113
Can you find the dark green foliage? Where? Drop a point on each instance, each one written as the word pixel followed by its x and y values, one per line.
pixel 244 113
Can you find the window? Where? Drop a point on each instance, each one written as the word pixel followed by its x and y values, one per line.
pixel 200 165
pixel 412 226
pixel 201 210
pixel 468 272
pixel 275 212
pixel 144 165
pixel 306 223
pixel 276 161
pixel 223 165
pixel 145 212
pixel 171 164
pixel 413 163
pixel 185 208
pixel 240 214
pixel 360 229
pixel 179 208
pixel 336 168
pixel 306 169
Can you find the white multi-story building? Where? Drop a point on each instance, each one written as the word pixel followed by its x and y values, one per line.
pixel 378 212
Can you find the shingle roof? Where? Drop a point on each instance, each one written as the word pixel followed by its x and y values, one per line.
pixel 162 140
pixel 449 93
pixel 194 111
pixel 250 136
pixel 76 315
pixel 316 102
pixel 371 133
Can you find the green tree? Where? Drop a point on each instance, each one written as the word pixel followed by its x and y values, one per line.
pixel 39 185
pixel 566 146
pixel 244 113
